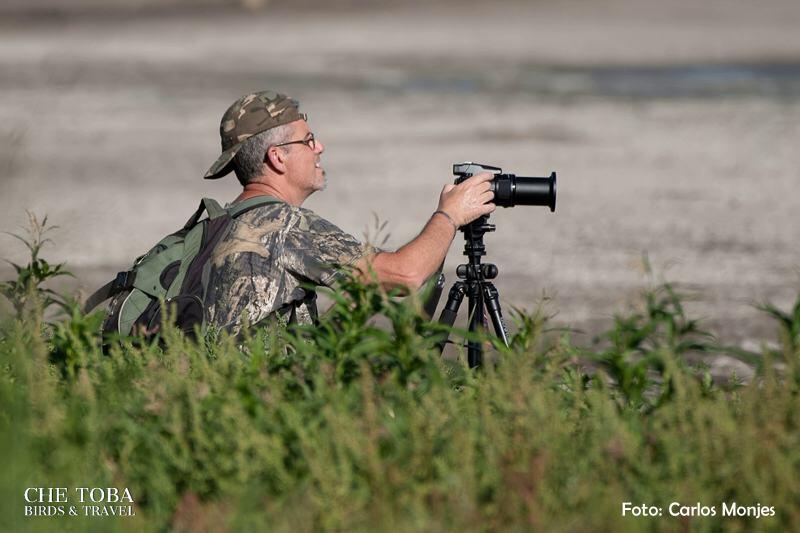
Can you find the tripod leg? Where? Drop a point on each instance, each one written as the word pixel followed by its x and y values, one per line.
pixel 492 299
pixel 450 310
pixel 476 323
pixel 429 307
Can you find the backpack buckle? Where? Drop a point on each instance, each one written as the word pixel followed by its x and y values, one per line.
pixel 123 281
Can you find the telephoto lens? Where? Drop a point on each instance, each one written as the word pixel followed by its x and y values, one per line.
pixel 510 190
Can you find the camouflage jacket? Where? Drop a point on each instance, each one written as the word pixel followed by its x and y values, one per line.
pixel 258 267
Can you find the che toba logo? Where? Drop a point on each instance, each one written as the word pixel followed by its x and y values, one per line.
pixel 53 501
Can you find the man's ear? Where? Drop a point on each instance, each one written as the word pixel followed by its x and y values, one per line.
pixel 276 159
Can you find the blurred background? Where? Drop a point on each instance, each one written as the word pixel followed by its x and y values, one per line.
pixel 673 126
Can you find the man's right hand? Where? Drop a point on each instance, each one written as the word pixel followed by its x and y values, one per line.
pixel 469 199
pixel 415 262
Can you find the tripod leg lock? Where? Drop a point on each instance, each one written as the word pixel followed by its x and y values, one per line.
pixel 454 299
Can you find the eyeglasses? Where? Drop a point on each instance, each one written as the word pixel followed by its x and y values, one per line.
pixel 308 141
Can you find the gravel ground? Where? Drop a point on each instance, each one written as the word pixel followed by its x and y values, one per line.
pixel 673 128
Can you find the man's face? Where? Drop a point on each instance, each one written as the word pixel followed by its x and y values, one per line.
pixel 303 163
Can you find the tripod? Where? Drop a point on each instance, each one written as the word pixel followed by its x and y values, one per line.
pixel 480 292
pixel 509 190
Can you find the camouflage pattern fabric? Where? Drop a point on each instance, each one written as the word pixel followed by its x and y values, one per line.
pixel 250 115
pixel 257 269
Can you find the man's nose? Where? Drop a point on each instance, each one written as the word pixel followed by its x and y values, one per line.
pixel 318 146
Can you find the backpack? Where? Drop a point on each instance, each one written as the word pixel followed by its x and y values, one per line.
pixel 175 271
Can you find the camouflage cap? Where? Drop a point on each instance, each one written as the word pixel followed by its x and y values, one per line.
pixel 250 115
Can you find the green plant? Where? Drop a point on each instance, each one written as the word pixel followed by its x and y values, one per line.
pixel 789 328
pixel 28 287
pixel 646 347
pixel 785 352
pixel 358 424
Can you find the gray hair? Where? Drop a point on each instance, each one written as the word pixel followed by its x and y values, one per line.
pixel 248 161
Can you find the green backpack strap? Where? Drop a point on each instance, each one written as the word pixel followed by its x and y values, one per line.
pixel 234 210
pixel 101 295
pixel 213 208
pixel 207 205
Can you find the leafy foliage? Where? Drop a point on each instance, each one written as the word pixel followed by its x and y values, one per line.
pixel 789 327
pixel 360 424
pixel 644 344
pixel 31 277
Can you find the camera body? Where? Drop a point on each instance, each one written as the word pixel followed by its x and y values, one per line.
pixel 511 190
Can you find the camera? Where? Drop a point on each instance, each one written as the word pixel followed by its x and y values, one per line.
pixel 510 190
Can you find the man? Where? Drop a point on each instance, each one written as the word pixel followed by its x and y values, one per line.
pixel 258 268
